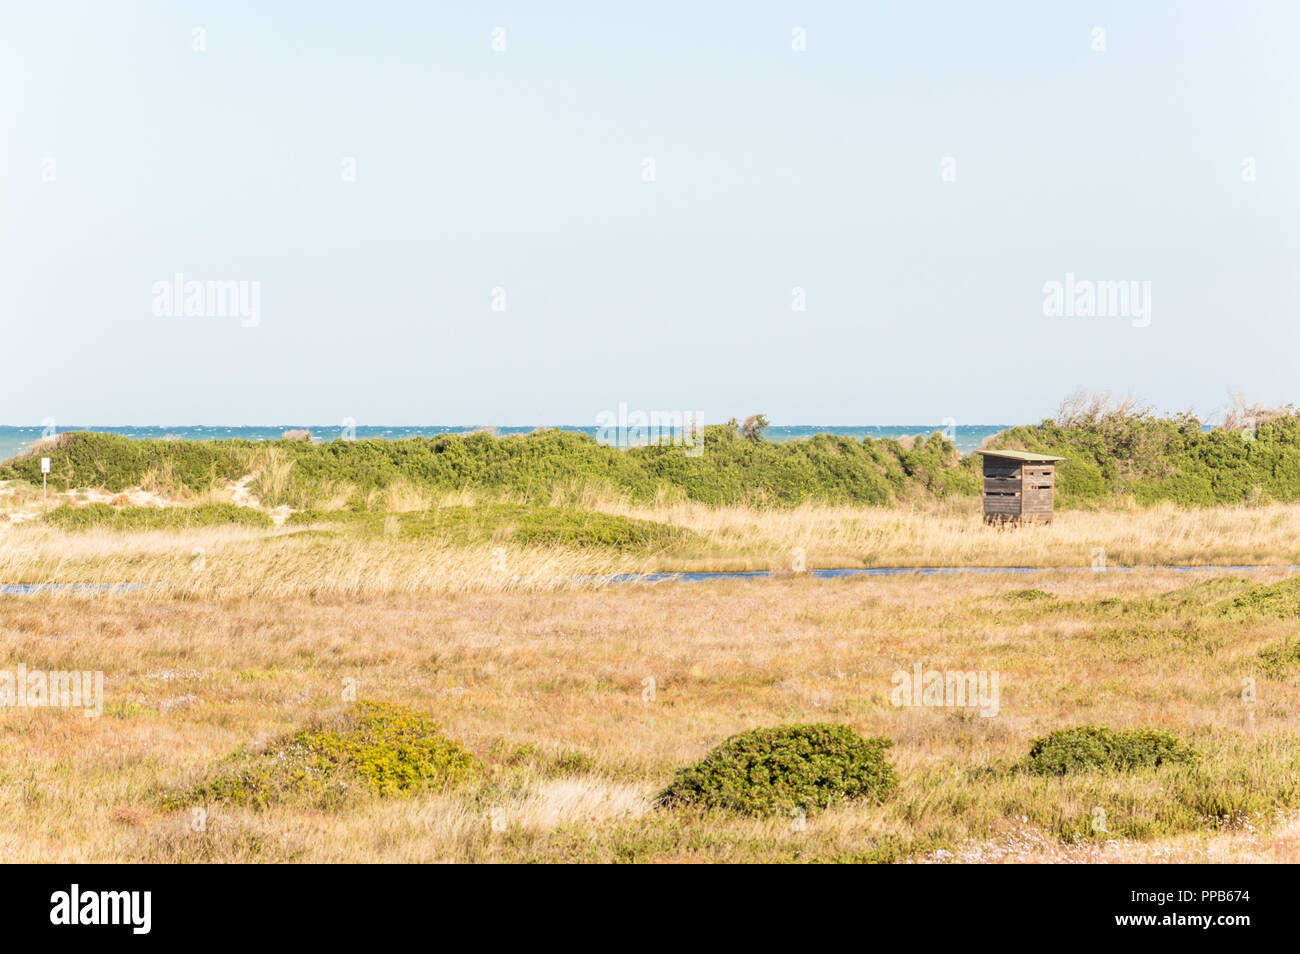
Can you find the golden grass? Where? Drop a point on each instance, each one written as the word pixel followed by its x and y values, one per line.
pixel 549 687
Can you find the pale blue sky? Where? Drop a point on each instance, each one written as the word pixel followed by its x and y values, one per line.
pixel 522 169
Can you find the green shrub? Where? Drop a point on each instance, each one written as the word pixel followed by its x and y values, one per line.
pixel 778 770
pixel 1196 595
pixel 371 748
pixel 1171 459
pixel 1028 596
pixel 113 462
pixel 1280 659
pixel 516 523
pixel 156 518
pixel 557 526
pixel 1272 601
pixel 1098 748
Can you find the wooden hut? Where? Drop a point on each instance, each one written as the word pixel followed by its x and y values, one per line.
pixel 1018 485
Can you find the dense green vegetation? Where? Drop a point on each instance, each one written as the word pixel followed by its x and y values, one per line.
pixel 785 769
pixel 1107 455
pixel 1153 459
pixel 732 469
pixel 1100 749
pixel 372 747
pixel 112 462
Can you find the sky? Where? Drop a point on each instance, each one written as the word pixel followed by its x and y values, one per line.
pixel 827 212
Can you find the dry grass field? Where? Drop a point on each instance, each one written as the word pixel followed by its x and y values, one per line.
pixel 582 699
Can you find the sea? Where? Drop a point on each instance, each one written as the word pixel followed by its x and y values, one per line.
pixel 16 439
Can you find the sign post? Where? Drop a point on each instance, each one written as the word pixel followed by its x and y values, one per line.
pixel 45 470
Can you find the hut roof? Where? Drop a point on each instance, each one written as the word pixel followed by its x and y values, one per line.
pixel 1024 456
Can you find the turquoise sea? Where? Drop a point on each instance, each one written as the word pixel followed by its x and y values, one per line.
pixel 14 440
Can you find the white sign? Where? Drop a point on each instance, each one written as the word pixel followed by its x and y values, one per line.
pixel 45 465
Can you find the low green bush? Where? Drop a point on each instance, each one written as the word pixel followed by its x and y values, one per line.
pixel 96 515
pixel 113 462
pixel 779 770
pixel 513 523
pixel 557 526
pixel 1281 659
pixel 1028 596
pixel 1100 749
pixel 1200 594
pixel 1270 601
pixel 371 748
